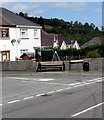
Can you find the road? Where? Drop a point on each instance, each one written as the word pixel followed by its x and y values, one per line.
pixel 52 96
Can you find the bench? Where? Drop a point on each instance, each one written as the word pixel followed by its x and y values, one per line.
pixel 51 64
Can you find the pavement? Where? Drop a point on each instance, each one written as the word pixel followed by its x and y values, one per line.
pixel 16 73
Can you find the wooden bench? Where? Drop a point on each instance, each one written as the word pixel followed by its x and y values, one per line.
pixel 51 64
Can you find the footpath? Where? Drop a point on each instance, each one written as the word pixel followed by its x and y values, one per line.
pixel 19 73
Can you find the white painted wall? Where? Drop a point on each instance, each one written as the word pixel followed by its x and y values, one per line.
pixel 63 46
pixel 76 45
pixel 24 43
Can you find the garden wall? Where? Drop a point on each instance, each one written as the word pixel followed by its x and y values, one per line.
pixel 26 65
pixel 95 64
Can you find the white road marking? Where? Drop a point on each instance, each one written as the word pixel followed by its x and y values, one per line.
pixel 67 88
pixel 30 97
pixel 59 90
pixel 19 78
pixel 88 109
pixel 99 80
pixel 40 94
pixel 45 79
pixel 87 83
pixel 77 83
pixel 45 82
pixel 1 104
pixel 23 78
pixel 71 84
pixel 27 81
pixel 14 101
pixel 50 92
pixel 96 79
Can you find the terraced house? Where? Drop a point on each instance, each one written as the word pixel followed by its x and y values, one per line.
pixel 17 35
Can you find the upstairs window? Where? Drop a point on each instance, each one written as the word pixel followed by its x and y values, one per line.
pixel 23 33
pixel 36 34
pixel 4 32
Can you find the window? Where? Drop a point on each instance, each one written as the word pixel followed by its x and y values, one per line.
pixel 23 33
pixel 36 34
pixel 5 55
pixel 4 32
pixel 23 51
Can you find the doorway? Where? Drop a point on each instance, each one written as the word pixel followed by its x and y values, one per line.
pixel 5 55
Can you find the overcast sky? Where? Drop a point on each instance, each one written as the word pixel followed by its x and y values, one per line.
pixel 80 11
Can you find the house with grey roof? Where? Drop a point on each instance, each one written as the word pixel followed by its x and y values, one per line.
pixel 57 40
pixel 94 41
pixel 17 35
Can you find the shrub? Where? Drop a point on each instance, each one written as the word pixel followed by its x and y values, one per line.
pixel 93 54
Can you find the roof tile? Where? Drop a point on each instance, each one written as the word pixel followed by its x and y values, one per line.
pixel 9 18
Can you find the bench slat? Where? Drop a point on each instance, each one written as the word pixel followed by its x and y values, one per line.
pixel 51 64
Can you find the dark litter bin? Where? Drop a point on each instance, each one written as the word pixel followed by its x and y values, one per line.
pixel 86 66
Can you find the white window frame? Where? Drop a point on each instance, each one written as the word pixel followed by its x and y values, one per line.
pixel 24 33
pixel 36 34
pixel 4 32
pixel 23 51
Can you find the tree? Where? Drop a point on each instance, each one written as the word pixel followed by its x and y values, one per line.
pixel 93 54
pixel 96 29
pixel 102 28
pixel 86 25
pixel 21 14
pixel 41 20
pixel 25 15
pixel 92 25
pixel 76 22
pixel 71 30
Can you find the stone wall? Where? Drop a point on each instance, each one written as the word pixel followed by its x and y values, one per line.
pixel 95 64
pixel 26 65
pixel 76 67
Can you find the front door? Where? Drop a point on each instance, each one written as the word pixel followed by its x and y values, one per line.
pixel 5 55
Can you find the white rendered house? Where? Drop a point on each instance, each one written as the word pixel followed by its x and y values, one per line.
pixel 73 44
pixel 76 45
pixel 63 46
pixel 17 35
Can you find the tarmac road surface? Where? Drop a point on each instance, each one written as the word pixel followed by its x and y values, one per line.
pixel 52 96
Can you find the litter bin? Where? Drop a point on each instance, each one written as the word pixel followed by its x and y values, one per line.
pixel 86 66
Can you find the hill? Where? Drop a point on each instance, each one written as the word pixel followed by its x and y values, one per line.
pixel 71 30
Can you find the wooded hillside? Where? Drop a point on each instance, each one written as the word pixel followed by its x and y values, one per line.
pixel 73 30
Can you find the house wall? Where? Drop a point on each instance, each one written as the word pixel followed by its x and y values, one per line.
pixel 24 43
pixel 5 44
pixel 29 42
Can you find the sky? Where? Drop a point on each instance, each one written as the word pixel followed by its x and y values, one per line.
pixel 82 11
